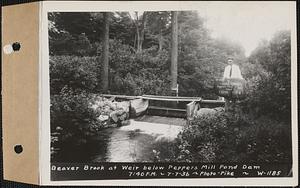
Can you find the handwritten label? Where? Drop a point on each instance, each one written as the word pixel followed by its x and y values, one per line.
pixel 99 171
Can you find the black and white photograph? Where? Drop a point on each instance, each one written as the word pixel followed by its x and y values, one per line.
pixel 209 85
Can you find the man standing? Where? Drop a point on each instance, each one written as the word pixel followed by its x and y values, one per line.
pixel 234 80
pixel 232 71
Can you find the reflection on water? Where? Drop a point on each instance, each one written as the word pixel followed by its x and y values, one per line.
pixel 132 143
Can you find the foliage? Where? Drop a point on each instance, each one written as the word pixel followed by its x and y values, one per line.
pixel 227 137
pixel 158 29
pixel 269 79
pixel 74 72
pixel 70 113
pixel 201 59
pixel 266 140
pixel 133 73
pixel 262 132
pixel 200 140
pixel 76 23
pixel 66 44
pixel 138 73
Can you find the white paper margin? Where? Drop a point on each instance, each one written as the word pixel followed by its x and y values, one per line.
pixel 97 6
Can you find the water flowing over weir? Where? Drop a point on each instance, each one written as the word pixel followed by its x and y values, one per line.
pixel 136 141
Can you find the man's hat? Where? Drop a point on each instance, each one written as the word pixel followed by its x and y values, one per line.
pixel 229 58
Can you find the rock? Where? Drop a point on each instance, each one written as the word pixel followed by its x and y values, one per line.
pixel 106 110
pixel 94 106
pixel 101 104
pixel 114 105
pixel 205 111
pixel 103 117
pixel 123 117
pixel 114 116
pixel 208 111
pixel 118 115
pixel 111 111
pixel 123 105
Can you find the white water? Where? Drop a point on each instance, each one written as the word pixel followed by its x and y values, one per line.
pixel 136 141
pixel 157 130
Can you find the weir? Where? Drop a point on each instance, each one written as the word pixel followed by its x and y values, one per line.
pixel 167 106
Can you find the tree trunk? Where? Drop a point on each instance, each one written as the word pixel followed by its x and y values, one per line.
pixel 140 40
pixel 160 41
pixel 105 52
pixel 134 43
pixel 140 28
pixel 139 48
pixel 174 52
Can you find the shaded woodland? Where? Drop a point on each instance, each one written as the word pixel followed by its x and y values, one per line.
pixel 130 54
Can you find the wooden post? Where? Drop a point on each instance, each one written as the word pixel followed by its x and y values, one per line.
pixel 105 55
pixel 174 53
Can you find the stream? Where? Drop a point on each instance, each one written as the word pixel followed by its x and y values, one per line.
pixel 136 142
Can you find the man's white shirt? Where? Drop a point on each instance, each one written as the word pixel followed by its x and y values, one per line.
pixel 235 72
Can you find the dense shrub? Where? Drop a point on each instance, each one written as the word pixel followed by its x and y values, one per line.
pixel 65 44
pixel 138 73
pixel 202 138
pixel 72 116
pixel 131 73
pixel 74 72
pixel 269 79
pixel 261 132
pixel 266 140
pixel 228 137
pixel 77 116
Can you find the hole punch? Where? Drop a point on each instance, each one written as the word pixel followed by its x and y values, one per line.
pixel 18 149
pixel 10 48
pixel 16 46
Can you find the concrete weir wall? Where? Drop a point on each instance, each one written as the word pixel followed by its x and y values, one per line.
pixel 138 107
pixel 169 106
